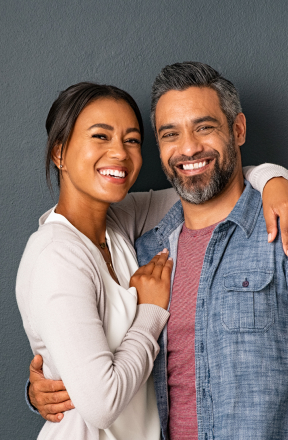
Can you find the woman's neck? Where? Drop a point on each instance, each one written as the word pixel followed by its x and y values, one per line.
pixel 86 215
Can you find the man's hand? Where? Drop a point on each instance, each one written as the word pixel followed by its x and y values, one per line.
pixel 48 396
pixel 275 204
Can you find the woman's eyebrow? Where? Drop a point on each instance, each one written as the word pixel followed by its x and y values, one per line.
pixel 109 127
pixel 130 130
pixel 105 126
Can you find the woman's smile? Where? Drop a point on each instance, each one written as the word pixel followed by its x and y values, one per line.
pixel 114 174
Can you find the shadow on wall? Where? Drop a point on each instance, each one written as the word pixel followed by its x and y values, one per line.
pixel 266 128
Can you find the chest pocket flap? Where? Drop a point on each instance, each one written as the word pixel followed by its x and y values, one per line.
pixel 247 300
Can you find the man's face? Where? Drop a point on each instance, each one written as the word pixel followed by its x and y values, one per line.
pixel 198 151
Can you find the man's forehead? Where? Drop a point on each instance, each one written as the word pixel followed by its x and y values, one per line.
pixel 192 102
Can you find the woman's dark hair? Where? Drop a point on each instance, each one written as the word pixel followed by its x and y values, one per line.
pixel 66 109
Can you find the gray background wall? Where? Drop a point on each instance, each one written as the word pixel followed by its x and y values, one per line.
pixel 48 45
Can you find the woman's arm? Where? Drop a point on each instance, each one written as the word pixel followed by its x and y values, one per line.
pixel 64 312
pixel 260 175
pixel 271 181
pixel 140 212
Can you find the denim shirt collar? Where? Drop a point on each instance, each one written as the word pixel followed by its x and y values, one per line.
pixel 244 214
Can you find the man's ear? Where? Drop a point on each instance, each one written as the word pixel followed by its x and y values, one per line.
pixel 56 156
pixel 239 129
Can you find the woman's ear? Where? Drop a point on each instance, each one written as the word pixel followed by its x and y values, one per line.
pixel 56 156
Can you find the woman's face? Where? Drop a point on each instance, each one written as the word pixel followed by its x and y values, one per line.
pixel 103 157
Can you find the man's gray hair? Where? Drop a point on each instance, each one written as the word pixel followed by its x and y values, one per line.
pixel 181 76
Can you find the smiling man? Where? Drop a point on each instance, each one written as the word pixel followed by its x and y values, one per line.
pixel 223 366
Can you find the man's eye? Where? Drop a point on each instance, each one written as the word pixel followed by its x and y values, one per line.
pixel 205 129
pixel 169 135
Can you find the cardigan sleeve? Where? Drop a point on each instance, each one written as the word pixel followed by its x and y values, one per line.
pixel 260 175
pixel 64 315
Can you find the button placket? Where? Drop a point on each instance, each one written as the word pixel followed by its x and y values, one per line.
pixel 203 379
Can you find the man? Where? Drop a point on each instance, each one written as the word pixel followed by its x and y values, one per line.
pixel 226 333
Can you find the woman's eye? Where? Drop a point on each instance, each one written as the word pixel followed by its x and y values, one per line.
pixel 99 136
pixel 133 141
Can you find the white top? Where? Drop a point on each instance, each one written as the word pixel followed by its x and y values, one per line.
pixel 141 415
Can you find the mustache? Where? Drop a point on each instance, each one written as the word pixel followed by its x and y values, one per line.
pixel 173 161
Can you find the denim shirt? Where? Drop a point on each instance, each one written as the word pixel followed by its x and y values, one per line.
pixel 241 355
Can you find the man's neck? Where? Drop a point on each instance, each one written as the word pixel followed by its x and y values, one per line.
pixel 216 209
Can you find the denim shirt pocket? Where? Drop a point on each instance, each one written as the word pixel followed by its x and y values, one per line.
pixel 247 303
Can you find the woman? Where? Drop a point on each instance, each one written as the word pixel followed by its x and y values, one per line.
pixel 74 290
pixel 73 280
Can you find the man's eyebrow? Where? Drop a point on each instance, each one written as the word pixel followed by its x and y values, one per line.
pixel 194 121
pixel 204 119
pixel 166 127
pixel 105 126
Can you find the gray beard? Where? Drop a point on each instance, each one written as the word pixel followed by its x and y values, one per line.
pixel 192 189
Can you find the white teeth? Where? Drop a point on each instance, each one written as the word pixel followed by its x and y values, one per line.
pixel 114 173
pixel 194 166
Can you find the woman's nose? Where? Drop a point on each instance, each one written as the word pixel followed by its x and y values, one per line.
pixel 118 150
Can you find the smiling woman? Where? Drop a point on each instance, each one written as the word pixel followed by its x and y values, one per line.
pixel 95 324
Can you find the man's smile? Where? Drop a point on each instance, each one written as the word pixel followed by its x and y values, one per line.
pixel 191 168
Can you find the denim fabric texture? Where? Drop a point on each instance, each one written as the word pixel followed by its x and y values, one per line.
pixel 31 407
pixel 241 355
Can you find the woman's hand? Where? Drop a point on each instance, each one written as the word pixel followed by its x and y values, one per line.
pixel 48 396
pixel 152 281
pixel 275 204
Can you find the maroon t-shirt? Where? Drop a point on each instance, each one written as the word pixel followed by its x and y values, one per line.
pixel 181 333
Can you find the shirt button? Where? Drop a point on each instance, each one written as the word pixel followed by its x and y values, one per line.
pixel 245 283
pixel 206 436
pixel 204 393
pixel 202 347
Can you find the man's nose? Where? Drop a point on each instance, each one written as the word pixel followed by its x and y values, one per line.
pixel 189 144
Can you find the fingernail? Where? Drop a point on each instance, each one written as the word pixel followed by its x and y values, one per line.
pixel 72 405
pixel 159 253
pixel 287 253
pixel 170 258
pixel 269 237
pixel 165 250
pixel 60 417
